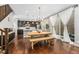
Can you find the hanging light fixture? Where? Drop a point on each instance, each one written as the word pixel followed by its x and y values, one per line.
pixel 39 13
pixel 40 18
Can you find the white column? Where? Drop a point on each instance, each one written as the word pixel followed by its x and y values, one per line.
pixel 58 19
pixel 77 24
pixel 65 16
pixel 52 22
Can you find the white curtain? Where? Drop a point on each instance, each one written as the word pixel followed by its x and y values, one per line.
pixel 52 22
pixel 43 25
pixel 65 16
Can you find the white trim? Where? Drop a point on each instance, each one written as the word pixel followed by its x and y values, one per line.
pixel 2 4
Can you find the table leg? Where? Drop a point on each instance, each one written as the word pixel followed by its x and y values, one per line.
pixel 46 41
pixel 49 43
pixel 32 46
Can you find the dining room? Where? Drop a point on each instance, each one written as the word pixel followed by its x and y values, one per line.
pixel 39 28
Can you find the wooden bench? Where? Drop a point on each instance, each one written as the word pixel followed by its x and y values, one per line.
pixel 36 40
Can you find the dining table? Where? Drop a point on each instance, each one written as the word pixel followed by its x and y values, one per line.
pixel 40 36
pixel 38 33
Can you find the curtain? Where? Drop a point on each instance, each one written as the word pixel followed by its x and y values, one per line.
pixel 43 25
pixel 65 16
pixel 52 23
pixel 77 24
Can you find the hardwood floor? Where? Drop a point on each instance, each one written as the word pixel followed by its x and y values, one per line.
pixel 23 47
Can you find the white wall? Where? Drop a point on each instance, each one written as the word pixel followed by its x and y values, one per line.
pixel 7 22
pixel 77 24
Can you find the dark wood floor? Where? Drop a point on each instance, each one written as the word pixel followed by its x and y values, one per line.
pixel 57 47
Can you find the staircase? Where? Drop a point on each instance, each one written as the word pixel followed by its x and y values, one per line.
pixel 1 41
pixel 5 10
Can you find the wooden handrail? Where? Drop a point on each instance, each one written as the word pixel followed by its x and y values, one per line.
pixel 2 30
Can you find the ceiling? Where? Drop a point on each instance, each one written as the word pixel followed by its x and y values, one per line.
pixel 31 11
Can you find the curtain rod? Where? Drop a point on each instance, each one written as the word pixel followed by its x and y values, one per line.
pixel 62 10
